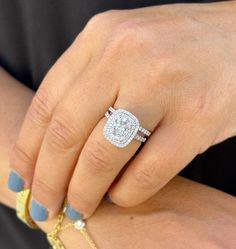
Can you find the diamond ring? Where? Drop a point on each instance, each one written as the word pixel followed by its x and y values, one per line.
pixel 122 127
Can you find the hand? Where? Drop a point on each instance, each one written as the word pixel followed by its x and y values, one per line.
pixel 15 99
pixel 172 66
pixel 202 208
pixel 205 219
pixel 183 214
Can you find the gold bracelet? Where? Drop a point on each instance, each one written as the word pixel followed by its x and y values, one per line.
pixel 80 225
pixel 22 202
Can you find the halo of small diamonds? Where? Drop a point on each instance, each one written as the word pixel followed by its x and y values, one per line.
pixel 122 127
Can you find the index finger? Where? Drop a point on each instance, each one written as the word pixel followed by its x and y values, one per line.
pixel 53 87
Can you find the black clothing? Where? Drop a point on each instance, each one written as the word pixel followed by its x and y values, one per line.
pixel 33 34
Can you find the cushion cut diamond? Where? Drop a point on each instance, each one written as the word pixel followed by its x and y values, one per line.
pixel 121 128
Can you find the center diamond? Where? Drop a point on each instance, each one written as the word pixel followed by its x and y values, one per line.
pixel 121 128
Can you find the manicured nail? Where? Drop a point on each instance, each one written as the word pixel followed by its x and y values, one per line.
pixel 15 182
pixel 72 213
pixel 38 212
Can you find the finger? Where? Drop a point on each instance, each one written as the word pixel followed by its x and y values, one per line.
pixel 72 122
pixel 164 155
pixel 53 87
pixel 100 162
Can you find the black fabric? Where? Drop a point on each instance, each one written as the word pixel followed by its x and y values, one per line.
pixel 15 235
pixel 33 34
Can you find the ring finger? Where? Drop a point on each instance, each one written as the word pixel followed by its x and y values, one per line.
pixel 100 162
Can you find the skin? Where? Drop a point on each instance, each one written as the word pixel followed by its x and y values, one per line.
pixel 206 217
pixel 199 222
pixel 172 66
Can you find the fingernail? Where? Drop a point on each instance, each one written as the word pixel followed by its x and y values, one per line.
pixel 72 213
pixel 38 212
pixel 15 182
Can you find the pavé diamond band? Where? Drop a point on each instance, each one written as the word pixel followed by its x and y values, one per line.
pixel 122 127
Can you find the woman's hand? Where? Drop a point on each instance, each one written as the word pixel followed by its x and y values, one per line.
pixel 174 67
pixel 159 223
pixel 183 214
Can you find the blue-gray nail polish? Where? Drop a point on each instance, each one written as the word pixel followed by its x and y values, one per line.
pixel 72 213
pixel 38 212
pixel 15 182
pixel 108 199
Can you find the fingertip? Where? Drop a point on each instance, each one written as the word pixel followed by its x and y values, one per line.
pixel 72 214
pixel 38 211
pixel 15 181
pixel 79 205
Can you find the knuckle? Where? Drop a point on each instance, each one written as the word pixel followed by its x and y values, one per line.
pixel 100 19
pixel 170 71
pixel 127 28
pixel 147 178
pixel 177 68
pixel 128 33
pixel 19 154
pixel 127 37
pixel 62 133
pixel 43 187
pixel 96 155
pixel 95 20
pixel 41 108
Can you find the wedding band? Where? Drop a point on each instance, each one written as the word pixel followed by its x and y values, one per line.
pixel 122 127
